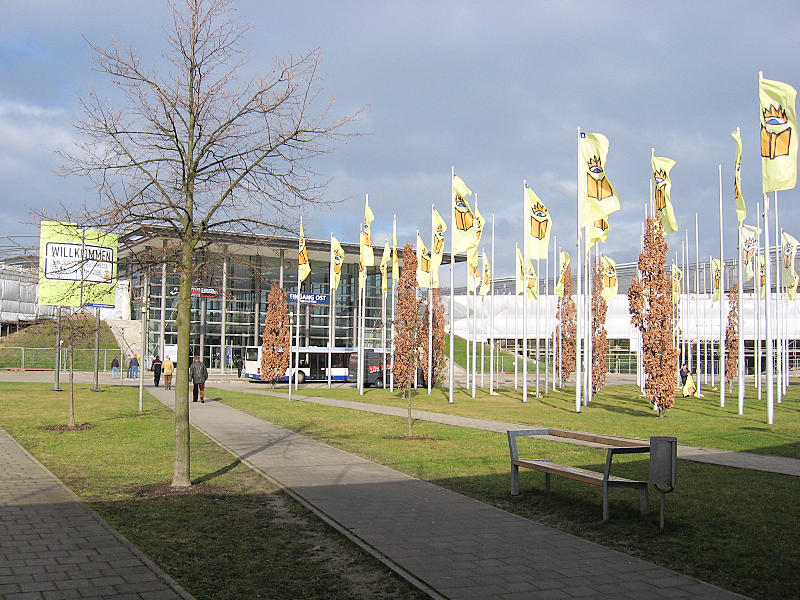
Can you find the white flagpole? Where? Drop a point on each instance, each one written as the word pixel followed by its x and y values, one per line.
pixel 483 340
pixel 697 296
pixel 394 289
pixel 524 300
pixel 768 317
pixel 757 303
pixel 430 309
pixel 556 261
pixel 491 325
pixel 297 328
pixel 537 328
pixel 722 321
pixel 331 329
pixel 383 329
pixel 740 324
pixel 686 305
pixel 546 319
pixel 578 260
pixel 452 280
pixel 778 274
pixel 516 336
pixel 474 337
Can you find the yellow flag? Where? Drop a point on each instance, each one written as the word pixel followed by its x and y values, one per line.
pixel 520 270
pixel 741 207
pixel 439 227
pixel 303 265
pixel 465 226
pixel 423 264
pixel 473 272
pixel 387 255
pixel 563 263
pixel 337 259
pixel 716 280
pixel 538 225
pixel 749 246
pixel 486 282
pixel 599 198
pixel 609 284
pixel 367 255
pixel 395 258
pixel 778 135
pixel 531 282
pixel 789 247
pixel 362 274
pixel 791 287
pixel 677 277
pixel 762 277
pixel 596 232
pixel 480 222
pixel 662 190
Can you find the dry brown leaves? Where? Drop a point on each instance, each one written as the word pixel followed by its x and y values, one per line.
pixel 276 341
pixel 732 335
pixel 600 346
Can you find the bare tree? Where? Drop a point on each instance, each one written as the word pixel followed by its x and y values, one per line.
pixel 408 333
pixel 566 316
pixel 599 333
pixel 732 335
pixel 650 301
pixel 276 341
pixel 197 149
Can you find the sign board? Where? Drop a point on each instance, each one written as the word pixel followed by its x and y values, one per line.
pixel 321 299
pixel 77 266
pixel 197 292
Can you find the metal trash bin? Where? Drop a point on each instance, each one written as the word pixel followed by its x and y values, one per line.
pixel 663 466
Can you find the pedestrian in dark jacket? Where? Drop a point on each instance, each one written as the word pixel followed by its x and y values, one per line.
pixel 157 370
pixel 684 373
pixel 198 374
pixel 115 368
pixel 239 366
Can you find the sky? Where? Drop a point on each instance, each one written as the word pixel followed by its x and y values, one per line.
pixel 495 90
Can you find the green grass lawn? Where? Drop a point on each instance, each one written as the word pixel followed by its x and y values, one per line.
pixel 619 410
pixel 735 528
pixel 504 360
pixel 234 536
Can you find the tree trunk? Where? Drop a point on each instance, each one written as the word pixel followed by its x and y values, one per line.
pixel 71 387
pixel 181 477
pixel 410 421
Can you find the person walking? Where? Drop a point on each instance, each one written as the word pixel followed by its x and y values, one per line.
pixel 167 368
pixel 198 374
pixel 130 367
pixel 157 365
pixel 115 368
pixel 684 373
pixel 133 367
pixel 239 366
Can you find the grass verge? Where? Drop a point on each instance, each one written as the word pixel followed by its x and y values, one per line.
pixel 734 528
pixel 619 410
pixel 233 536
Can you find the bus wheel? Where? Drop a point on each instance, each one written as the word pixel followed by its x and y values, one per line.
pixel 378 383
pixel 301 377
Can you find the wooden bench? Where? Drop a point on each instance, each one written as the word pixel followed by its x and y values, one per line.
pixel 605 479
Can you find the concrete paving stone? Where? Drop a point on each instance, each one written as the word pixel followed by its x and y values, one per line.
pixel 23 596
pixel 7 588
pixel 37 586
pixel 581 591
pixel 476 592
pixel 15 578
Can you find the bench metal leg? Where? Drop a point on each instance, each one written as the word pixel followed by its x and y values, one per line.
pixel 514 480
pixel 547 482
pixel 644 500
pixel 605 503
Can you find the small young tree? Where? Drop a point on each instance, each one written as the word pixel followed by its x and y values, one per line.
pixel 650 301
pixel 732 335
pixel 277 336
pixel 599 334
pixel 439 363
pixel 566 316
pixel 76 331
pixel 408 332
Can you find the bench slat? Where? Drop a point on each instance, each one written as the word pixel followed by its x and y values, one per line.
pixel 585 475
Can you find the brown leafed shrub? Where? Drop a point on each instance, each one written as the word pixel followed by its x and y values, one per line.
pixel 732 335
pixel 439 362
pixel 599 334
pixel 650 301
pixel 276 341
pixel 566 316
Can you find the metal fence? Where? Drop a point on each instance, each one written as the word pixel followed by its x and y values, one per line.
pixel 44 358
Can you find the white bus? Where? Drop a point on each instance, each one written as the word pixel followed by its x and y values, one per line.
pixel 313 364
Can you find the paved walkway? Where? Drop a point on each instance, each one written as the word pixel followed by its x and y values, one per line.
pixel 742 460
pixel 452 546
pixel 52 545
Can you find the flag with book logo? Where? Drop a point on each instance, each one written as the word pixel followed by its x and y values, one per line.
pixel 439 227
pixel 677 277
pixel 599 198
pixel 464 222
pixel 486 281
pixel 519 288
pixel 762 277
pixel 741 207
pixel 387 255
pixel 423 264
pixel 716 280
pixel 337 260
pixel 531 282
pixel 563 265
pixel 749 246
pixel 778 135
pixel 538 225
pixel 609 283
pixel 662 193
pixel 303 264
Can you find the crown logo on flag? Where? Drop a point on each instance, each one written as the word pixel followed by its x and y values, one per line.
pixel 464 218
pixel 539 221
pixel 595 166
pixel 774 115
pixel 775 143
